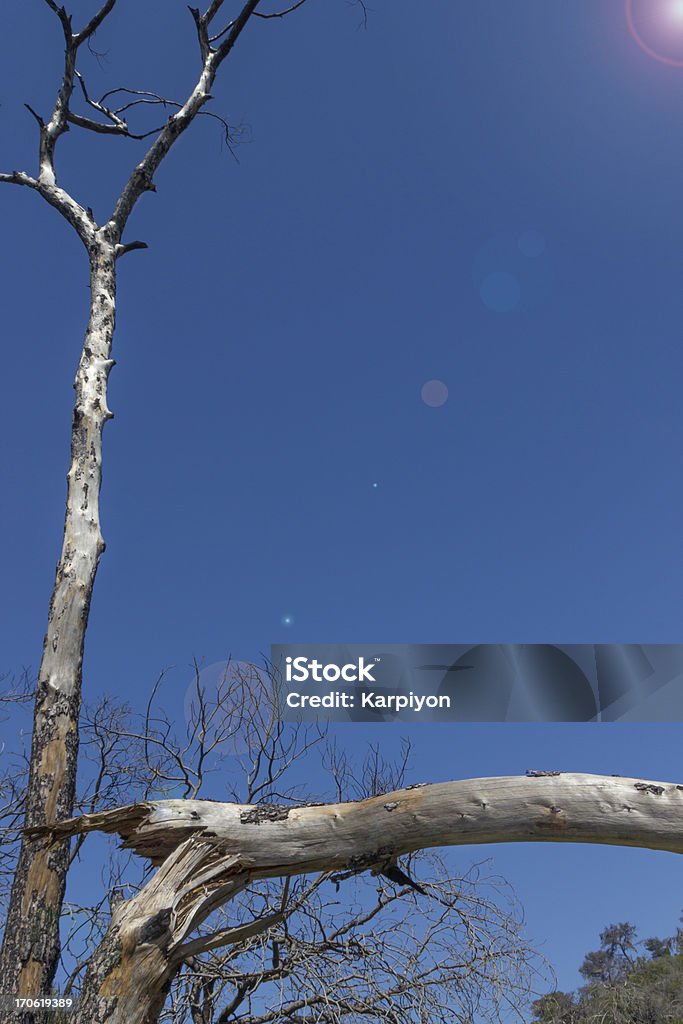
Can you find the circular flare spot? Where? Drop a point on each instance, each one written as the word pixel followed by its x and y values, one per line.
pixel 434 393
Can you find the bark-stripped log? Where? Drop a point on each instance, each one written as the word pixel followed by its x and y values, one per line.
pixel 208 851
pixel 280 840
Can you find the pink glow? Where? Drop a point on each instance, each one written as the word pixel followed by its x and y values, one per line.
pixel 675 11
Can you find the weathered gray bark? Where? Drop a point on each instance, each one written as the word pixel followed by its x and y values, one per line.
pixel 208 850
pixel 31 948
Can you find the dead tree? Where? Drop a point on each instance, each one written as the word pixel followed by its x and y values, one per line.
pixel 31 943
pixel 254 914
pixel 209 852
pixel 325 947
pixel 209 855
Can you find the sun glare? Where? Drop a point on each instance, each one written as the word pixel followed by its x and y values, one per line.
pixel 657 27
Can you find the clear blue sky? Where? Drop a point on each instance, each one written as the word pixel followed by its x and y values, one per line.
pixel 486 194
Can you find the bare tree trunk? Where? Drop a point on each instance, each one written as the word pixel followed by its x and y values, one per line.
pixel 30 950
pixel 124 985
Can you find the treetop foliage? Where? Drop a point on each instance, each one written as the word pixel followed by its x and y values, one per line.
pixel 628 981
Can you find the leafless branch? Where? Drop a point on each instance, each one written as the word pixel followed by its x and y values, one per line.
pixel 121 250
pixel 19 178
pixel 304 949
pixel 15 700
pixel 280 14
pixel 364 12
pixel 384 959
pixel 94 23
pixel 202 27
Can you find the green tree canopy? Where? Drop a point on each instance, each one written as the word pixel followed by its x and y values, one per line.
pixel 628 981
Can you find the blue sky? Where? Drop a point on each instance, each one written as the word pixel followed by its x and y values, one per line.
pixel 485 194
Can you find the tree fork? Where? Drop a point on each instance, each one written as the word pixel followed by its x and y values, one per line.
pixel 31 947
pixel 129 975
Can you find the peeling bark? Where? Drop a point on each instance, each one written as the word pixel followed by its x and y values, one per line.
pixel 31 947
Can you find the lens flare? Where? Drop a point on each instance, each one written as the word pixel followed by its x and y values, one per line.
pixel 434 393
pixel 657 27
